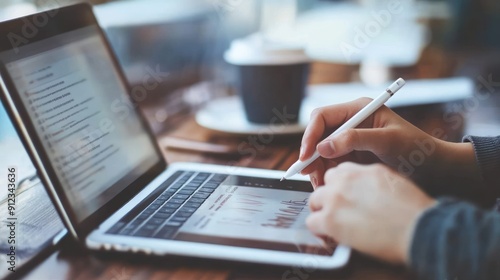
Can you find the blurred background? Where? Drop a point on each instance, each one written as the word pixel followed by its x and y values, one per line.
pixel 365 41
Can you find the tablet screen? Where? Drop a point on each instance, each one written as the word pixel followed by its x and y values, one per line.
pixel 257 213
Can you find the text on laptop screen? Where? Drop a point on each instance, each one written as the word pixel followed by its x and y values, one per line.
pixel 74 96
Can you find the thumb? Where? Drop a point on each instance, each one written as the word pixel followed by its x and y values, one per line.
pixel 362 139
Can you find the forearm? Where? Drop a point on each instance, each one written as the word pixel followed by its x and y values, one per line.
pixel 457 164
pixel 455 240
pixel 468 170
pixel 450 170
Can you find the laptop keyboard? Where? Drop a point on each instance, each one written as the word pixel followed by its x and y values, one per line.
pixel 165 210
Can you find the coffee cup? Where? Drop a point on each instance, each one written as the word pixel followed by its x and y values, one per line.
pixel 271 78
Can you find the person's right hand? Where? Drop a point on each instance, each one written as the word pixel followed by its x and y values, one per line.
pixel 383 137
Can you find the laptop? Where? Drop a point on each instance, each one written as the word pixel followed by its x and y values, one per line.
pixel 102 167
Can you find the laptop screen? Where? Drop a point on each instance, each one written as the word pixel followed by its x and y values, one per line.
pixel 89 129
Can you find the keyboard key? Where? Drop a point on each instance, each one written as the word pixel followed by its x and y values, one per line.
pixel 157 202
pixel 173 224
pixel 211 185
pixel 191 188
pixel 164 196
pixel 149 226
pixel 178 201
pixel 201 195
pixel 172 205
pixel 181 196
pixel 146 230
pixel 161 200
pixel 169 192
pixel 196 200
pixel 166 210
pixel 179 219
pixel 136 223
pixel 148 211
pixel 183 214
pixel 206 190
pixel 175 186
pixel 186 192
pixel 143 217
pixel 166 232
pixel 199 179
pixel 192 204
pixel 219 177
pixel 155 221
pixel 214 181
pixel 128 230
pixel 162 216
pixel 188 209
pixel 155 206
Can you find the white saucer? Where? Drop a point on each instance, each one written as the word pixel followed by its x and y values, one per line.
pixel 226 115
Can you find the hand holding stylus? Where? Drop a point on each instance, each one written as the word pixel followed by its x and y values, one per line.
pixel 364 113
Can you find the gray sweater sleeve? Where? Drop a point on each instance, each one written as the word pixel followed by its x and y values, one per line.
pixel 488 158
pixel 456 240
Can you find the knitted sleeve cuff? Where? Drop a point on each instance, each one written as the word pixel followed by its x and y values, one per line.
pixel 487 151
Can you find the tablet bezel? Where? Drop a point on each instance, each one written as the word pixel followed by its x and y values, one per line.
pixel 101 240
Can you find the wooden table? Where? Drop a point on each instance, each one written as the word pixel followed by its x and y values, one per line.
pixel 271 152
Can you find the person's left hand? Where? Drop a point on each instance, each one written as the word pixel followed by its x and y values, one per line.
pixel 370 208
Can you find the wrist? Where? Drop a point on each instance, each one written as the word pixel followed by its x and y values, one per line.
pixel 457 160
pixel 405 247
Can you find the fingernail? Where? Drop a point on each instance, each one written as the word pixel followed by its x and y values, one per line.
pixel 301 152
pixel 326 149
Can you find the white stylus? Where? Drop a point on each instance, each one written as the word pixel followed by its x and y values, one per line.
pixel 351 123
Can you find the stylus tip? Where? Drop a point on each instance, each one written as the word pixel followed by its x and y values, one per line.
pixel 282 179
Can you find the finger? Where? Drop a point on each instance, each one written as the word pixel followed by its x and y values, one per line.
pixel 324 120
pixel 316 222
pixel 317 177
pixel 336 176
pixel 324 164
pixel 375 140
pixel 316 200
pixel 329 176
pixel 312 167
pixel 351 157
